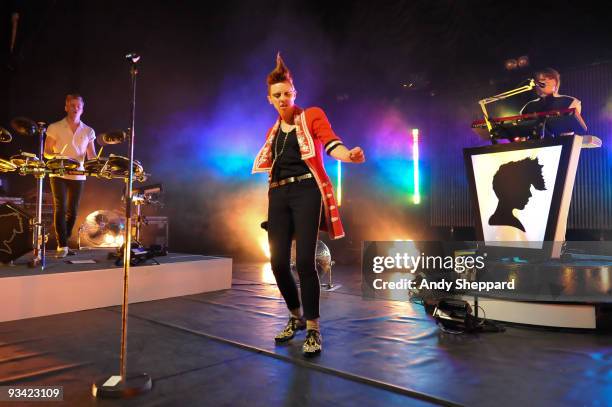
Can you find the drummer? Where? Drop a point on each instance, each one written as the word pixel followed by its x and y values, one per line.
pixel 70 138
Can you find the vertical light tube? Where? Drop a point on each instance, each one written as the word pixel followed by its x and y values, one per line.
pixel 416 197
pixel 339 183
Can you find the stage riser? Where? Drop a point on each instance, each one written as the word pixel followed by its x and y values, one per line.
pixel 557 315
pixel 56 293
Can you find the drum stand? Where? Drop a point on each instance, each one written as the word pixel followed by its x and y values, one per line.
pixel 138 201
pixel 126 385
pixel 145 254
pixel 141 199
pixel 39 236
pixel 139 252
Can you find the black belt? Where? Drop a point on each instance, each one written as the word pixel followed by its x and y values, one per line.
pixel 290 180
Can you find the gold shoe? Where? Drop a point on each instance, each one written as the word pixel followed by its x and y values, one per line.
pixel 293 325
pixel 313 343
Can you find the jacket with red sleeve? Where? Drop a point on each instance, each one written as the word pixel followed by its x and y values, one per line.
pixel 314 133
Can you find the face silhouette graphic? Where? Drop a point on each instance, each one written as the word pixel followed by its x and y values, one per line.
pixel 519 201
pixel 512 185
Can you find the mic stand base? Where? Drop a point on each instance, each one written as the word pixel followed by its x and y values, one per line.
pixel 133 385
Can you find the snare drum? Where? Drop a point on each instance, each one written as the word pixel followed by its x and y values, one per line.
pixel 61 163
pixel 7 166
pixel 118 167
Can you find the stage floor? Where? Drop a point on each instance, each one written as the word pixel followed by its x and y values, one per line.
pixel 217 349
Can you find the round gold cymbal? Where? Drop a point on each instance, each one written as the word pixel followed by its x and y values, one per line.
pixel 24 126
pixel 62 163
pixel 96 164
pixel 27 160
pixel 112 137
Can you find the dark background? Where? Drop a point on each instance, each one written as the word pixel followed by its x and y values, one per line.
pixel 377 68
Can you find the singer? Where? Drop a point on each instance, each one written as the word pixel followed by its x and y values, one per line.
pixel 549 82
pixel 300 194
pixel 71 138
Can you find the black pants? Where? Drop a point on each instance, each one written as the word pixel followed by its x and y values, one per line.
pixel 294 212
pixel 66 197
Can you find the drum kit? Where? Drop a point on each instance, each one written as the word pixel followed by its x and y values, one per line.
pixel 111 167
pixel 25 163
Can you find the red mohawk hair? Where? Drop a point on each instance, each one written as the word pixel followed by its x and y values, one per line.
pixel 280 73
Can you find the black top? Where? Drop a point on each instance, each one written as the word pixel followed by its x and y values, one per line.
pixel 289 162
pixel 547 103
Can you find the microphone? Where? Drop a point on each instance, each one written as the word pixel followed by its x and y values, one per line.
pixel 132 56
pixel 538 83
pixel 113 137
pixel 5 136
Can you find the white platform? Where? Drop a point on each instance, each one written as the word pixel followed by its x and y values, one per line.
pixel 55 293
pixel 558 315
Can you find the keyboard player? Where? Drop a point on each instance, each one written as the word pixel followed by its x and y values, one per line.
pixel 549 81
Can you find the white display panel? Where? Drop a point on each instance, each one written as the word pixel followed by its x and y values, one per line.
pixel 515 213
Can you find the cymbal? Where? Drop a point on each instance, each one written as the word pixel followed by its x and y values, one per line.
pixel 24 126
pixel 5 135
pixel 95 164
pixel 6 165
pixel 112 137
pixel 62 163
pixel 27 160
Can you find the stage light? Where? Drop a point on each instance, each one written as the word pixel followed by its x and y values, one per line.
pixel 403 246
pixel 516 63
pixel 267 276
pixel 339 184
pixel 415 158
pixel 112 240
pixel 511 64
pixel 102 228
pixel 265 246
pixel 454 316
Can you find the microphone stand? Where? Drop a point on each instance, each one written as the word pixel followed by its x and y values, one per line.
pixel 126 385
pixel 39 258
pixel 502 96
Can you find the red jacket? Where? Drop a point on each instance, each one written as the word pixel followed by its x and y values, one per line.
pixel 314 133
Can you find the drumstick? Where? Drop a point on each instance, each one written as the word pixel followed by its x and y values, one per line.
pixel 100 152
pixel 63 149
